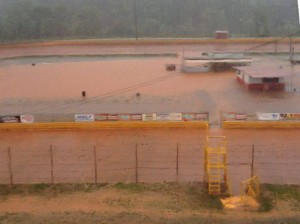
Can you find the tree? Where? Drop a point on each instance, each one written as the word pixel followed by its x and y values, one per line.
pixel 87 22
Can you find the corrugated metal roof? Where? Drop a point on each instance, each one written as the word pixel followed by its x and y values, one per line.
pixel 267 70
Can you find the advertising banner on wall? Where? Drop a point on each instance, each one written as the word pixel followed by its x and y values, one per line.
pixel 112 117
pixel 169 117
pixel 136 117
pixel 201 116
pixel 124 117
pixel 289 116
pixel 240 116
pixel 101 117
pixel 10 119
pixel 228 116
pixel 296 116
pixel 84 117
pixel 268 116
pixel 286 116
pixel 27 119
pixel 149 117
pixel 188 116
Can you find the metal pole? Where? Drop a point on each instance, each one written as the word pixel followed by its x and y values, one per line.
pixel 96 166
pixel 136 164
pixel 10 166
pixel 135 21
pixel 177 162
pixel 252 162
pixel 51 161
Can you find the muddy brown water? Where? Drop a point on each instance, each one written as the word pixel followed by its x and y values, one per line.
pixel 111 87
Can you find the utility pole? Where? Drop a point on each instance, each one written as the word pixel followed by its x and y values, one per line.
pixel 291 49
pixel 135 21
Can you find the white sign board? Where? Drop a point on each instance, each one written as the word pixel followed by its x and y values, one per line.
pixel 149 117
pixel 84 117
pixel 27 119
pixel 169 117
pixel 268 116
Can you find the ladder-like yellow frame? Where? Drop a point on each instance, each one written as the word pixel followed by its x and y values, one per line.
pixel 215 164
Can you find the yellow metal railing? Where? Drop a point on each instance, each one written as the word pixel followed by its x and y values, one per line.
pixel 260 124
pixel 250 187
pixel 102 125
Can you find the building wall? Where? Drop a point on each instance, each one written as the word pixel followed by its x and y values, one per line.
pixel 251 80
pixel 251 83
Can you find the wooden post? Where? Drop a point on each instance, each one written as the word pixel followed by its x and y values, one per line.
pixel 10 166
pixel 96 166
pixel 51 161
pixel 177 162
pixel 252 162
pixel 136 164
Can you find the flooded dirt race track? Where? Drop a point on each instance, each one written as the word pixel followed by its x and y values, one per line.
pixel 119 84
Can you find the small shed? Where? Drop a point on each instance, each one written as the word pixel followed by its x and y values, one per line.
pixel 221 34
pixel 264 77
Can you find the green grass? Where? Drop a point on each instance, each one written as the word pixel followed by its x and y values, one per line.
pixel 266 204
pixel 284 191
pixel 46 189
pixel 272 193
pixel 190 196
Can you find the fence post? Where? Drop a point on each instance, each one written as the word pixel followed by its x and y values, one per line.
pixel 96 165
pixel 252 162
pixel 177 162
pixel 10 166
pixel 51 161
pixel 136 164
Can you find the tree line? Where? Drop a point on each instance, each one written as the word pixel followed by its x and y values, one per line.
pixel 64 19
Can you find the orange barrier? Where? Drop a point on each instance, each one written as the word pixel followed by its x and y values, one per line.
pixel 103 125
pixel 260 124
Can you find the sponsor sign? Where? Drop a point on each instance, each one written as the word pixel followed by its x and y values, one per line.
pixel 112 117
pixel 228 116
pixel 188 116
pixel 27 119
pixel 136 117
pixel 84 117
pixel 201 116
pixel 10 119
pixel 124 117
pixel 162 117
pixel 101 117
pixel 268 116
pixel 286 116
pixel 240 116
pixel 149 117
pixel 169 117
pixel 252 117
pixel 296 116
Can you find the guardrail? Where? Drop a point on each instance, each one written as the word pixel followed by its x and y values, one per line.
pixel 103 125
pixel 232 120
pixel 260 124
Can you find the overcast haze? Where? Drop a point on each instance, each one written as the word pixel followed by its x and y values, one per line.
pixel 76 19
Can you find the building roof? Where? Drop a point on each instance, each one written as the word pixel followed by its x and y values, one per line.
pixel 218 56
pixel 267 70
pixel 221 31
